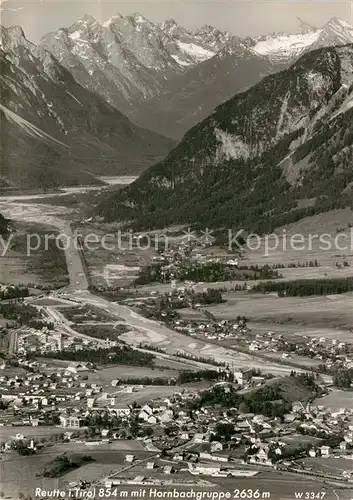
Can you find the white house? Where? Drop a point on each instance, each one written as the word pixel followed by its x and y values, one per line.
pixel 242 375
pixel 325 451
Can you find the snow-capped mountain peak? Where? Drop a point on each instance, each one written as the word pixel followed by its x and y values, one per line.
pixel 212 36
pixel 169 25
pixel 138 21
pixel 172 29
pixel 285 48
pixel 337 31
pixel 205 29
pixel 116 18
pixel 87 19
pixel 139 18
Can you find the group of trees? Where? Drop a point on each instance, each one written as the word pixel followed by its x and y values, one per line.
pixel 211 296
pixel 343 378
pixel 51 265
pixel 39 325
pixel 4 226
pixel 63 464
pixel 123 355
pixel 14 292
pixel 22 448
pixel 297 265
pixel 304 288
pixel 22 314
pixel 267 401
pixel 103 331
pixel 272 399
pixel 223 432
pixel 184 377
pixel 187 377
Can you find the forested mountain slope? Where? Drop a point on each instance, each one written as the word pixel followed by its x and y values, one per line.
pixel 250 163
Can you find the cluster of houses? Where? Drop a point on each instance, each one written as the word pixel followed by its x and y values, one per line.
pixel 43 341
pixel 332 352
pixel 212 330
pixel 321 349
pixel 258 437
pixel 173 423
pixel 193 250
pixel 36 391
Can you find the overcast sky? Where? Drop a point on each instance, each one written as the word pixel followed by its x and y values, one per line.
pixel 240 17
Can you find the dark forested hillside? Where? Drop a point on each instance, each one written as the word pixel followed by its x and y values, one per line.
pixel 286 139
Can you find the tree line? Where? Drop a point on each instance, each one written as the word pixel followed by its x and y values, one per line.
pixel 122 355
pixel 305 288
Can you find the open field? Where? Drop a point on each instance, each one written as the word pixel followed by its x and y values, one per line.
pixel 12 483
pixel 329 465
pixel 336 400
pixel 297 439
pixel 173 365
pixel 333 313
pixel 122 445
pixel 47 302
pixel 117 261
pixel 6 432
pixel 120 180
pixel 86 314
pixel 44 267
pixel 327 251
pixel 106 375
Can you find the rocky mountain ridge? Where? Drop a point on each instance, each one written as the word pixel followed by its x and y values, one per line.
pixel 239 64
pixel 54 131
pixel 129 59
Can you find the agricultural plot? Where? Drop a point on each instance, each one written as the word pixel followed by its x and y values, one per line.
pixel 336 400
pixel 335 466
pixel 87 314
pixel 7 432
pixel 106 375
pixel 331 312
pixel 119 266
pixel 43 267
pixel 105 457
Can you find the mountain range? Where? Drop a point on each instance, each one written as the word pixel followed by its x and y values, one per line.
pixel 129 59
pixel 167 78
pixel 241 63
pixel 78 104
pixel 270 155
pixel 55 132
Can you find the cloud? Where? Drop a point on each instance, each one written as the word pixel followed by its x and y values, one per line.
pixel 8 9
pixel 11 10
